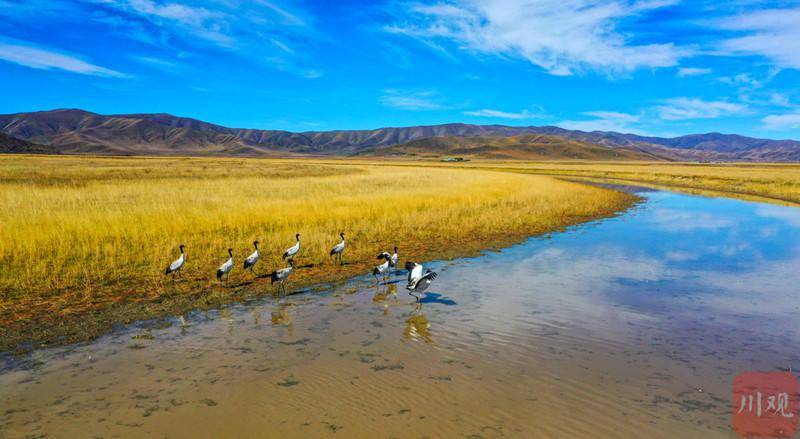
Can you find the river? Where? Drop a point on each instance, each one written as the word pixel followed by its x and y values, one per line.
pixel 633 326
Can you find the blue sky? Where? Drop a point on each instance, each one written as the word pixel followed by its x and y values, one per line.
pixel 657 67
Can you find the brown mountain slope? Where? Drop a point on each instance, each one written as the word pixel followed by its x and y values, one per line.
pixel 9 144
pixel 78 131
pixel 525 147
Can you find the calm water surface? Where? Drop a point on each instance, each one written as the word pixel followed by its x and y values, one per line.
pixel 629 327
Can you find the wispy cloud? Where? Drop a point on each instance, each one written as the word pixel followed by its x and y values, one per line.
pixel 667 112
pixel 693 71
pixel 790 121
pixel 604 121
pixel 198 21
pixel 499 114
pixel 561 36
pixel 261 31
pixel 693 108
pixel 28 55
pixel 742 80
pixel 771 33
pixel 288 17
pixel 780 100
pixel 416 100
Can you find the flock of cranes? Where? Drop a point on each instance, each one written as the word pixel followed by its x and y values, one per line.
pixel 418 281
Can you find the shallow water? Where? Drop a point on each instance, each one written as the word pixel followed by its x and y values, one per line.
pixel 630 327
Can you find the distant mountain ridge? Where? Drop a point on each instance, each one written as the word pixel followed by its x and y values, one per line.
pixel 76 131
pixel 522 147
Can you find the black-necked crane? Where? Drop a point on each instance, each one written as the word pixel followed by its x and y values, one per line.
pixel 383 268
pixel 251 260
pixel 421 284
pixel 281 276
pixel 338 249
pixel 293 250
pixel 393 259
pixel 177 264
pixel 225 269
pixel 414 272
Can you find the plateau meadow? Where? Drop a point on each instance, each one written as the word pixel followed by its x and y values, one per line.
pixel 85 240
pixel 777 183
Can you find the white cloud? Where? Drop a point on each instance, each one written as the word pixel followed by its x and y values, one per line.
pixel 288 17
pixel 198 21
pixel 692 71
pixel 744 80
pixel 524 114
pixel 561 36
pixel 603 121
pixel 675 109
pixel 780 100
pixel 43 59
pixel 771 33
pixel 692 108
pixel 188 15
pixel 417 100
pixel 789 121
pixel 276 33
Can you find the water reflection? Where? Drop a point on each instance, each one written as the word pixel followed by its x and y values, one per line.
pixel 386 297
pixel 606 330
pixel 282 316
pixel 418 326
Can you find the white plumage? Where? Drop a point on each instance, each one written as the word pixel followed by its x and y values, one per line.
pixel 383 268
pixel 281 276
pixel 251 260
pixel 393 259
pixel 414 272
pixel 293 250
pixel 177 264
pixel 338 249
pixel 421 284
pixel 226 268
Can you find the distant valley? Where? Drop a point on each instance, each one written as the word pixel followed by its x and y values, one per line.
pixel 74 131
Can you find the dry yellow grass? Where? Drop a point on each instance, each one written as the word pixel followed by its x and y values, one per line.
pixel 774 182
pixel 84 233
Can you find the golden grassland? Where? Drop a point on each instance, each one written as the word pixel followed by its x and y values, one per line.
pixel 767 182
pixel 84 241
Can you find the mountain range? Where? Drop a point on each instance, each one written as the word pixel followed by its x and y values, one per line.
pixel 73 131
